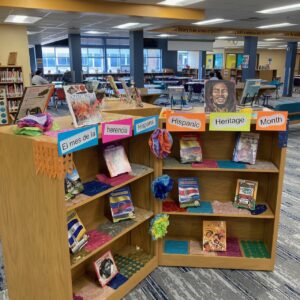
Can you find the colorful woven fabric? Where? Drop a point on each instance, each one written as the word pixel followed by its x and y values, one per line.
pixel 176 247
pixel 160 143
pixel 172 206
pixel 227 208
pixel 96 240
pixel 232 248
pixel 228 164
pixel 204 208
pixel 117 281
pixel 127 266
pixel 255 249
pixel 161 186
pixel 188 191
pixel 42 121
pixel 207 163
pixel 94 187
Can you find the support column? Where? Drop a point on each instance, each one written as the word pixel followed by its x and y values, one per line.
pixel 136 39
pixel 250 48
pixel 169 58
pixel 202 65
pixel 75 57
pixel 290 62
pixel 38 56
pixel 32 59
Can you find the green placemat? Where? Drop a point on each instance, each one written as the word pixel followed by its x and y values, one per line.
pixel 127 266
pixel 255 249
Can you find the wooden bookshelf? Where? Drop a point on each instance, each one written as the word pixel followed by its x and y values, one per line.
pixel 220 184
pixel 34 217
pixel 11 78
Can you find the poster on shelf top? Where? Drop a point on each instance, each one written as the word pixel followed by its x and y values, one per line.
pixel 77 139
pixel 144 125
pixel 271 120
pixel 181 121
pixel 116 130
pixel 230 122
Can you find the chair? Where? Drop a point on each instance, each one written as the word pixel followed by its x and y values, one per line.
pixel 59 96
pixel 198 89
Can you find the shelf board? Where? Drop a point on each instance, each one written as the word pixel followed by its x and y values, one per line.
pixel 171 163
pixel 11 82
pixel 15 97
pixel 141 215
pixel 81 200
pixel 268 214
pixel 108 293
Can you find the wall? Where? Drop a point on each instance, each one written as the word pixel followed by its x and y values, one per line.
pixel 14 39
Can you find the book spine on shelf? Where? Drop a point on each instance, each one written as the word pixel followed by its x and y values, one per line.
pixel 11 75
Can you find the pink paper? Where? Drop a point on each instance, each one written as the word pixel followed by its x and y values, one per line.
pixel 116 130
pixel 115 180
pixel 207 163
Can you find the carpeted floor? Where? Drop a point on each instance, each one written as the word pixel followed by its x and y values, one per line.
pixel 167 283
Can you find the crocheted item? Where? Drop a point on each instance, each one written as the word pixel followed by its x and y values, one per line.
pixel 158 226
pixel 207 163
pixel 160 143
pixel 96 240
pixel 228 164
pixel 255 249
pixel 161 186
pixel 204 208
pixel 94 187
pixel 42 121
pixel 227 208
pixel 232 248
pixel 127 266
pixel 196 247
pixel 117 281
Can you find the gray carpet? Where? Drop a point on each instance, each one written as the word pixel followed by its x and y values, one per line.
pixel 167 283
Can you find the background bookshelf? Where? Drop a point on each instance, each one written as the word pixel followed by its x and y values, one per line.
pixel 217 187
pixel 11 78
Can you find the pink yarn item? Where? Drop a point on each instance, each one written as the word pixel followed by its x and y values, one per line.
pixel 96 240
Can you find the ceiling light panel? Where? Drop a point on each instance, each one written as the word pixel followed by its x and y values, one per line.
pixel 94 32
pixel 278 25
pixel 166 35
pixel 225 37
pixel 212 22
pixel 179 2
pixel 280 9
pixel 272 39
pixel 131 25
pixel 21 19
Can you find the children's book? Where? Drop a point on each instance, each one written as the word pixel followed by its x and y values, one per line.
pixel 188 190
pixel 121 205
pixel 73 185
pixel 84 106
pixel 106 268
pixel 245 196
pixel 76 232
pixel 190 149
pixel 116 160
pixel 246 147
pixel 214 236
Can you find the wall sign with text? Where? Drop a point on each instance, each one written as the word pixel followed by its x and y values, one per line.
pixel 230 122
pixel 186 122
pixel 116 130
pixel 144 125
pixel 271 120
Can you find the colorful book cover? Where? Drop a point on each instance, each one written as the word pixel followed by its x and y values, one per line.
pixel 76 232
pixel 214 236
pixel 106 268
pixel 188 190
pixel 190 149
pixel 246 147
pixel 121 205
pixel 245 196
pixel 84 106
pixel 116 160
pixel 73 185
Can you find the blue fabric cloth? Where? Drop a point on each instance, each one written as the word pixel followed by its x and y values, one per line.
pixel 176 247
pixel 205 208
pixel 94 187
pixel 228 164
pixel 117 281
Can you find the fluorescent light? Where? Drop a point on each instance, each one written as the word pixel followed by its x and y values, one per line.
pixel 21 19
pixel 225 37
pixel 280 9
pixel 166 35
pixel 278 25
pixel 127 25
pixel 212 21
pixel 179 2
pixel 32 32
pixel 94 32
pixel 272 39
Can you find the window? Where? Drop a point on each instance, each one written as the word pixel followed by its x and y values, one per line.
pixel 118 60
pixel 55 60
pixel 152 60
pixel 182 60
pixel 92 60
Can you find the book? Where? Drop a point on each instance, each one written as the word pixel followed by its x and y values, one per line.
pixel 190 149
pixel 84 106
pixel 3 108
pixel 121 205
pixel 116 160
pixel 220 96
pixel 76 232
pixel 188 191
pixel 105 268
pixel 245 195
pixel 214 236
pixel 245 149
pixel 73 185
